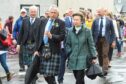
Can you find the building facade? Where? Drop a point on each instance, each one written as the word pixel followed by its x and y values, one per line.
pixel 12 7
pixel 116 6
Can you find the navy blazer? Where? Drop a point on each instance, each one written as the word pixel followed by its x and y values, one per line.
pixel 68 23
pixel 109 33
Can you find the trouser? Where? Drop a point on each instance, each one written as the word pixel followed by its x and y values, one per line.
pixel 50 79
pixel 62 65
pixel 79 76
pixel 21 59
pixel 103 50
pixel 110 53
pixel 3 62
pixel 118 44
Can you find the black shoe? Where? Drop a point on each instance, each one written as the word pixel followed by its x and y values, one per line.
pixel 9 76
pixel 22 69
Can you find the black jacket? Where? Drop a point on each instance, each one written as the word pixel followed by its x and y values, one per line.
pixel 24 32
pixel 58 35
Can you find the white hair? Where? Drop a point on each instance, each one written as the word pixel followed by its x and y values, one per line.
pixel 54 7
pixel 33 8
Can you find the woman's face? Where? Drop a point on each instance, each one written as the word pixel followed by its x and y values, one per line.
pixel 77 21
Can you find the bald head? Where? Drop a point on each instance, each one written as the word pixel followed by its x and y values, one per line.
pixel 33 11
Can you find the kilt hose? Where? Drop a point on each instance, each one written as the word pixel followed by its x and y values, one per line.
pixel 27 57
pixel 50 67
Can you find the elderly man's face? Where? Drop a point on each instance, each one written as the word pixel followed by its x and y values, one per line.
pixel 53 13
pixel 23 14
pixel 33 13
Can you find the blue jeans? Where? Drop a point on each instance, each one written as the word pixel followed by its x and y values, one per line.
pixel 119 44
pixel 3 62
pixel 62 65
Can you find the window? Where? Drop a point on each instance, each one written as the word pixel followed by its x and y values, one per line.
pixel 26 6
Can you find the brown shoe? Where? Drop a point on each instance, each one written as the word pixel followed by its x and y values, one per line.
pixel 9 76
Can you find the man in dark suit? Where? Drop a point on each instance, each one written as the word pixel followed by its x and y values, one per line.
pixel 27 36
pixel 50 35
pixel 68 18
pixel 103 34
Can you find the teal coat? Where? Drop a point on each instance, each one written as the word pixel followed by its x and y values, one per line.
pixel 78 47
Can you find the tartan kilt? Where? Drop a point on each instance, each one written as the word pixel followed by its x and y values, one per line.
pixel 27 57
pixel 50 67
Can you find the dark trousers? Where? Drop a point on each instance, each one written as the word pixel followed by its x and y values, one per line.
pixel 103 50
pixel 79 76
pixel 50 79
pixel 21 58
pixel 3 62
pixel 110 53
pixel 62 65
pixel 118 44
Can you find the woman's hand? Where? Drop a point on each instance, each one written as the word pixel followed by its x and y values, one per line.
pixel 94 61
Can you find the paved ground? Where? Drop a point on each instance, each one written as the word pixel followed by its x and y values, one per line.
pixel 117 73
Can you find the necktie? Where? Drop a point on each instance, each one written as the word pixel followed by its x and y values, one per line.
pixel 48 28
pixel 101 26
pixel 32 21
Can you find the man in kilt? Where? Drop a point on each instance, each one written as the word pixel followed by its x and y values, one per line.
pixel 48 45
pixel 27 36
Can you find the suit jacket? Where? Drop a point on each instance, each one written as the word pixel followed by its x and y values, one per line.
pixel 109 33
pixel 68 23
pixel 58 35
pixel 24 31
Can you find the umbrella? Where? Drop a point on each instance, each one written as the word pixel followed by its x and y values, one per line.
pixel 93 71
pixel 32 70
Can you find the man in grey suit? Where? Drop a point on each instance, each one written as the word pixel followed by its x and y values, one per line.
pixel 103 34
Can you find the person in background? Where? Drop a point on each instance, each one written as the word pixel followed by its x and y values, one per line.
pixel 3 58
pixel 119 42
pixel 68 19
pixel 111 17
pixel 9 24
pixel 16 30
pixel 103 34
pixel 77 40
pixel 68 25
pixel 89 19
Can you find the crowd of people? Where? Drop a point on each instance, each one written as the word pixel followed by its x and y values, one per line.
pixel 73 38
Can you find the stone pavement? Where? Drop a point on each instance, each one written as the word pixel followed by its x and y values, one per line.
pixel 117 73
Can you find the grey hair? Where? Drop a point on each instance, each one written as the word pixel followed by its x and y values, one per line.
pixel 53 7
pixel 33 7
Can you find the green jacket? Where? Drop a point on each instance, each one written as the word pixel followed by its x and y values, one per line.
pixel 78 47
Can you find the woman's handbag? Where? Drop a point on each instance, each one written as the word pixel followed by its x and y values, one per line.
pixel 7 42
pixel 93 71
pixel 46 52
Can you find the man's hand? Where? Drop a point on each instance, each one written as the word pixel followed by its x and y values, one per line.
pixel 14 42
pixel 49 35
pixel 113 45
pixel 36 53
pixel 18 48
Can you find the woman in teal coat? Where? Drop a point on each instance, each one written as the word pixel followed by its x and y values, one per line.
pixel 79 45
